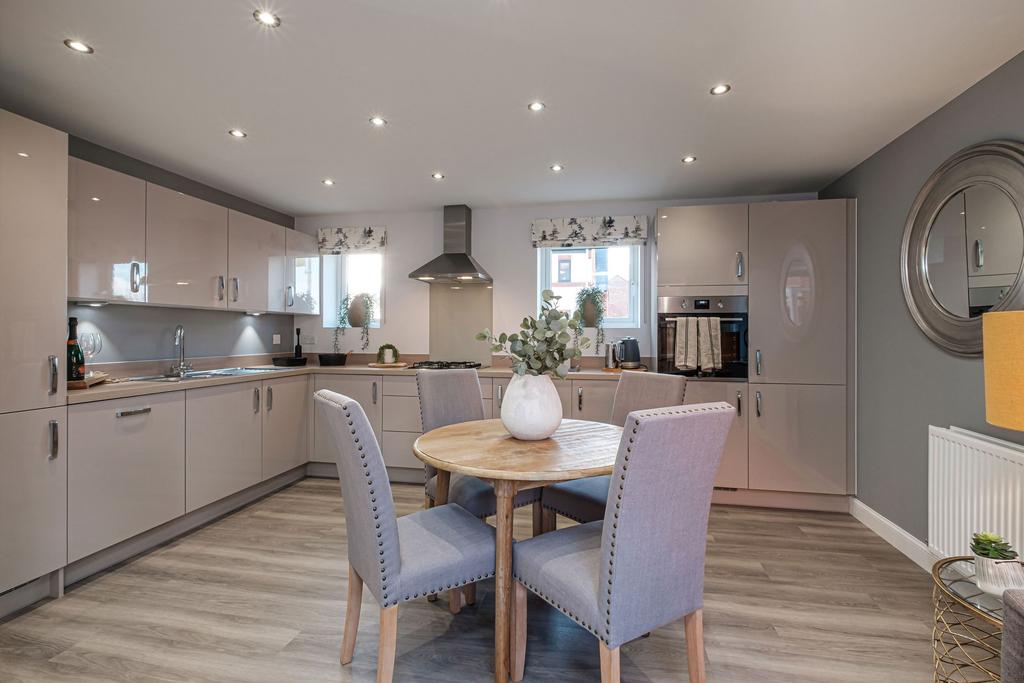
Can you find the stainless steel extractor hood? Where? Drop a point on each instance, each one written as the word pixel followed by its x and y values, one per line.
pixel 456 264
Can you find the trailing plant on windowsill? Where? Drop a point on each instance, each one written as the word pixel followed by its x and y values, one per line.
pixel 369 308
pixel 593 298
pixel 342 322
pixel 542 344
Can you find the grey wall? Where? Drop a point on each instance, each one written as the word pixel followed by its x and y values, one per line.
pixel 146 332
pixel 905 382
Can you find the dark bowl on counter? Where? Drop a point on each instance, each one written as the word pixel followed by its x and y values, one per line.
pixel 332 359
pixel 290 361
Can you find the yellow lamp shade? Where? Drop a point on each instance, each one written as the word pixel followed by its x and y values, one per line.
pixel 1004 368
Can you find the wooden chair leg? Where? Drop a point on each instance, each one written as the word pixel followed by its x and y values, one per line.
pixel 538 518
pixel 609 664
pixel 455 600
pixel 518 631
pixel 428 502
pixel 387 644
pixel 693 624
pixel 469 591
pixel 355 599
pixel 432 597
pixel 549 520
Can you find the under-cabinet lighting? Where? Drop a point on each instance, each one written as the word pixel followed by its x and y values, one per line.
pixel 466 277
pixel 425 278
pixel 90 304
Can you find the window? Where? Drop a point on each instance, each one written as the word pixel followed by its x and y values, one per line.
pixel 616 270
pixel 349 275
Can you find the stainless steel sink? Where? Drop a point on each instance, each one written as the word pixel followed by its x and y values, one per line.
pixel 200 374
pixel 235 372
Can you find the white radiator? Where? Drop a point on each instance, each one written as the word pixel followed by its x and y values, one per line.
pixel 975 483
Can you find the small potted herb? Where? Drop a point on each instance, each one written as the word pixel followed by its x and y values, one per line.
pixel 996 563
pixel 590 302
pixel 338 358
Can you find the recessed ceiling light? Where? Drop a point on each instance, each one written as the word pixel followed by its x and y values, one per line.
pixel 536 106
pixel 266 18
pixel 23 155
pixel 557 168
pixel 437 175
pixel 327 181
pixel 95 199
pixel 78 46
pixel 378 121
pixel 689 159
pixel 721 89
pixel 237 133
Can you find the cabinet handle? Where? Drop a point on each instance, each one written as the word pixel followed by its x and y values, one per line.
pixel 135 276
pixel 54 439
pixel 54 374
pixel 133 411
pixel 579 399
pixel 739 265
pixel 256 400
pixel 234 285
pixel 499 394
pixel 739 404
pixel 374 393
pixel 270 399
pixel 757 361
pixel 220 288
pixel 757 403
pixel 979 254
pixel 291 295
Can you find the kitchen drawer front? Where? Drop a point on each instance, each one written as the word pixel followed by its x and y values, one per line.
pixel 400 386
pixel 402 414
pixel 397 450
pixel 33 495
pixel 223 441
pixel 126 469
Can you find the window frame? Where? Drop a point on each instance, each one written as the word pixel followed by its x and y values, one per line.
pixel 338 287
pixel 636 259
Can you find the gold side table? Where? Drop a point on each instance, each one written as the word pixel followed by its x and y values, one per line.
pixel 968 633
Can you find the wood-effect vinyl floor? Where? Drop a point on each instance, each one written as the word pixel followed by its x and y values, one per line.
pixel 259 596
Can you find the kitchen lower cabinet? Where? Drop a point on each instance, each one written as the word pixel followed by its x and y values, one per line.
pixel 302 276
pixel 365 390
pixel 286 406
pixel 591 399
pixel 223 442
pixel 33 495
pixel 256 264
pixel 702 245
pixel 797 438
pixel 106 234
pixel 186 250
pixel 33 264
pixel 562 386
pixel 396 447
pixel 126 469
pixel 733 470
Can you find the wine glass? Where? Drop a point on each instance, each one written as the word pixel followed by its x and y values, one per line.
pixel 91 344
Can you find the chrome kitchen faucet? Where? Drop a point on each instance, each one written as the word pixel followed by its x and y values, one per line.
pixel 179 342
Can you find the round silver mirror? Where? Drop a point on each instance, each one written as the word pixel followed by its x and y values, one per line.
pixel 963 244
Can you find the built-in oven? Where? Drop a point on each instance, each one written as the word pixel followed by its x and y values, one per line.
pixel 731 312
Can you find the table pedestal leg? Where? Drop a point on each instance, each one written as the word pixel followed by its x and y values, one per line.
pixel 505 492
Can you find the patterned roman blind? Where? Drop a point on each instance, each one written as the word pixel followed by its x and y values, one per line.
pixel 590 231
pixel 351 240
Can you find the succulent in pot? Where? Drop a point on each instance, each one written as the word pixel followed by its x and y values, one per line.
pixel 540 350
pixel 997 565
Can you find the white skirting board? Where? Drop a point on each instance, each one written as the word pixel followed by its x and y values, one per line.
pixel 896 536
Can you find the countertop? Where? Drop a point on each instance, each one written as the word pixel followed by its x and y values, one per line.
pixel 107 391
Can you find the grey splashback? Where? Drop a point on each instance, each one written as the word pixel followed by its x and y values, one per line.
pixel 146 332
pixel 905 382
pixel 457 313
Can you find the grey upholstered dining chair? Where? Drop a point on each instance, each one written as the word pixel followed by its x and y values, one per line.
pixel 643 565
pixel 398 559
pixel 583 500
pixel 1013 636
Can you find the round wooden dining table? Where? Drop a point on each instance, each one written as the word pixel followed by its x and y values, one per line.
pixel 485 449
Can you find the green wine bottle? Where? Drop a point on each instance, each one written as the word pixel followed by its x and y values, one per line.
pixel 76 359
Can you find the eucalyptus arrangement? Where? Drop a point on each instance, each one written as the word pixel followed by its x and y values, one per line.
pixel 994 546
pixel 541 346
pixel 590 304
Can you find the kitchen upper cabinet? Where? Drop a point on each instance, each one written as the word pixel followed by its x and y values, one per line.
pixel 703 245
pixel 223 442
pixel 798 292
pixel 33 495
pixel 563 387
pixel 733 470
pixel 256 263
pixel 287 403
pixel 302 292
pixel 186 249
pixel 33 264
pixel 126 469
pixel 798 438
pixel 592 400
pixel 365 390
pixel 106 234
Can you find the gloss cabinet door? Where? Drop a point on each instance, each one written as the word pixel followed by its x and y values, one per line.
pixel 33 264
pixel 302 289
pixel 702 245
pixel 287 403
pixel 186 250
pixel 733 470
pixel 106 234
pixel 256 264
pixel 366 390
pixel 591 399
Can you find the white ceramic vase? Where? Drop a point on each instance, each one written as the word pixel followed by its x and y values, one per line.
pixel 531 409
pixel 995 576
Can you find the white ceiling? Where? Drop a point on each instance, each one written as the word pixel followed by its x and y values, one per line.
pixel 818 87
